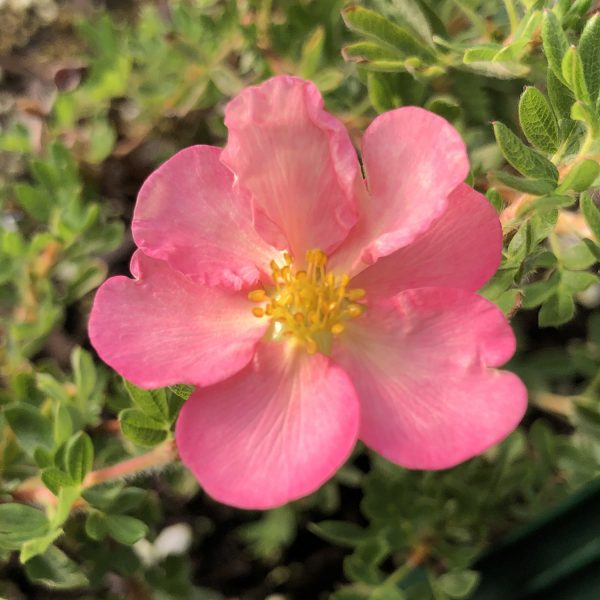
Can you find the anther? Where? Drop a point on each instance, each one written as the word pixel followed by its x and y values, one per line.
pixel 258 312
pixel 257 295
pixel 337 328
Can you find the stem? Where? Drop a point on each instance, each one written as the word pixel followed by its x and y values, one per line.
pixel 512 15
pixel 33 490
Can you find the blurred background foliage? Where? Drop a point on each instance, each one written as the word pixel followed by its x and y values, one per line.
pixel 94 95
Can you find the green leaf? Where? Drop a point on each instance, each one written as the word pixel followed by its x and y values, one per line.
pixel 30 427
pixel 20 523
pixel 339 532
pixel 459 584
pixel 560 96
pixel 572 71
pixel 558 309
pixel 589 51
pixel 373 25
pixel 63 424
pixel 411 13
pixel 550 202
pixel 182 390
pixel 95 525
pixel 582 112
pixel 555 43
pixel 536 187
pixel 536 293
pixel 141 429
pixel 578 257
pixel 55 570
pixel 79 456
pixel 151 402
pixel 55 478
pixel 102 140
pixel 578 281
pixel 125 529
pixel 51 387
pixel 34 201
pixel 581 176
pixel 381 93
pixel 444 105
pixel 311 53
pixel 524 159
pixel 38 545
pixel 538 121
pixel 591 214
pixel 84 372
pixel 360 52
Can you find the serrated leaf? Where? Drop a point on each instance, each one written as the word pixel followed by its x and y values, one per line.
pixel 339 532
pixel 538 121
pixel 557 310
pixel 55 570
pixel 151 402
pixel 572 71
pixel 30 427
pixel 589 51
pixel 537 187
pixel 141 429
pixel 555 43
pixel 591 214
pixel 374 25
pixel 536 293
pixel 79 456
pixel 20 523
pixel 524 159
pixel 560 96
pixel 55 478
pixel 125 529
pixel 581 176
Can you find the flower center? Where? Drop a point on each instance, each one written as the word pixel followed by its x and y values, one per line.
pixel 308 306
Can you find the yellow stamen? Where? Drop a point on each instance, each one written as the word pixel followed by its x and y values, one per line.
pixel 307 305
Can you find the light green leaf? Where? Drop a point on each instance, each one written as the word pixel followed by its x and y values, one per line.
pixel 84 372
pixel 582 112
pixel 79 456
pixel 538 121
pixel 589 51
pixel 555 43
pixel 382 95
pixel 536 293
pixel 578 281
pixel 581 176
pixel 55 478
pixel 524 159
pixel 125 529
pixel 572 71
pixel 557 310
pixel 35 201
pixel 459 584
pixel 560 96
pixel 95 525
pixel 365 51
pixel 374 25
pixel 591 214
pixel 549 202
pixel 38 545
pixel 311 53
pixel 141 429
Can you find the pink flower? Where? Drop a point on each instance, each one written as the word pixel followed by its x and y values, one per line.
pixel 313 308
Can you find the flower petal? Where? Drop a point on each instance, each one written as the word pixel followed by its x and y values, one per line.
pixel 187 214
pixel 274 432
pixel 163 328
pixel 419 364
pixel 461 249
pixel 295 161
pixel 413 160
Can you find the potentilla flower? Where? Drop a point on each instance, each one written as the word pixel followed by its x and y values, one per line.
pixel 311 306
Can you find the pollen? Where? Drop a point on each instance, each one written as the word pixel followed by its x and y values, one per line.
pixel 308 305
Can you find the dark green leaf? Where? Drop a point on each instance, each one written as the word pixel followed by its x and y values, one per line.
pixel 560 96
pixel 536 187
pixel 339 532
pixel 95 525
pixel 381 94
pixel 30 426
pixel 125 529
pixel 141 429
pixel 19 523
pixel 526 160
pixel 459 584
pixel 538 121
pixel 55 570
pixel 536 293
pixel 151 402
pixel 79 456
